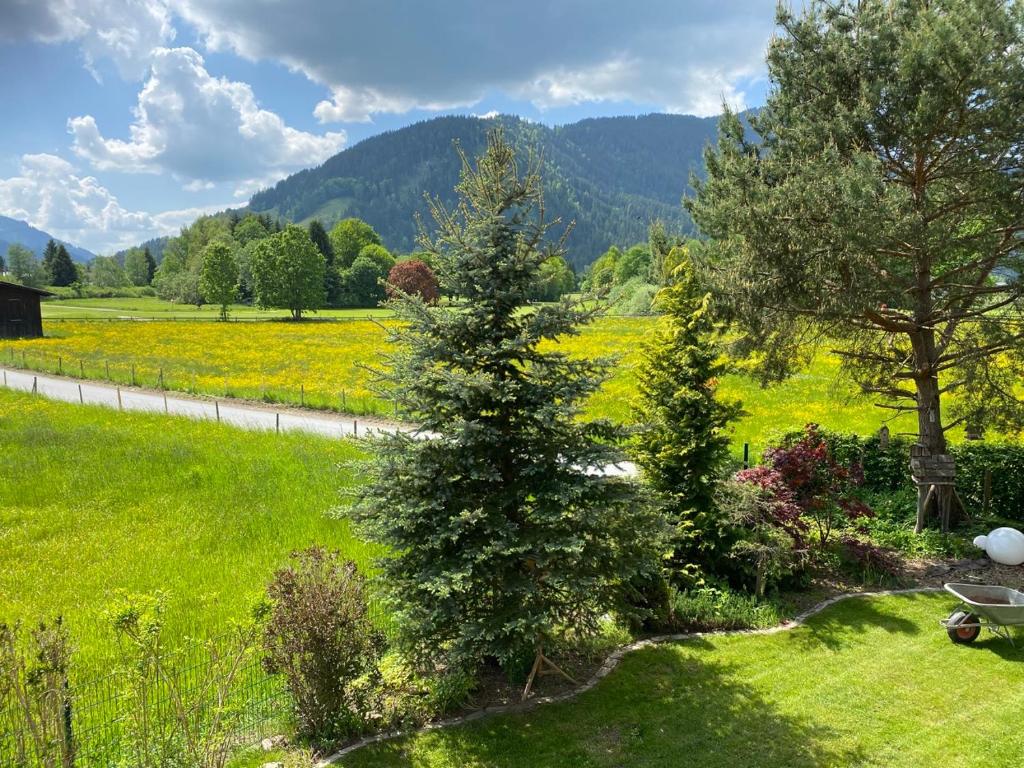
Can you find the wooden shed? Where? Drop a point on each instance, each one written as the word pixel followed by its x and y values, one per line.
pixel 20 314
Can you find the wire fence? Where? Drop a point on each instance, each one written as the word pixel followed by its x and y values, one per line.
pixel 105 721
pixel 311 394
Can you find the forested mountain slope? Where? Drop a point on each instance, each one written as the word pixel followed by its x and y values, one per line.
pixel 612 176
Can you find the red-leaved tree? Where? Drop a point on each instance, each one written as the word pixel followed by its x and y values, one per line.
pixel 414 278
pixel 803 475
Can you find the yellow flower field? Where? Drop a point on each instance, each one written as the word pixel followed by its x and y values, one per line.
pixel 322 365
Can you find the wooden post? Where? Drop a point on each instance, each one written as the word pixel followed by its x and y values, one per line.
pixel 81 398
pixel 35 385
pixel 302 395
pixel 120 407
pixel 162 379
pixel 986 490
pixel 277 423
pixel 165 403
pixel 355 427
pixel 133 374
pixel 216 407
pixel 81 369
pixel 746 455
pixel 60 364
pixel 106 364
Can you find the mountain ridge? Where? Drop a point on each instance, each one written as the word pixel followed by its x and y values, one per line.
pixel 612 176
pixel 16 231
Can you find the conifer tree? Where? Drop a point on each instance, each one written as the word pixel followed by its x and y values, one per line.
pixel 49 257
pixel 683 446
pixel 501 535
pixel 62 269
pixel 322 241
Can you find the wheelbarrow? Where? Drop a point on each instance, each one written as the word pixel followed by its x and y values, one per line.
pixel 983 605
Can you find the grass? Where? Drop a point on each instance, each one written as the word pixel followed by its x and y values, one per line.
pixel 92 502
pixel 150 307
pixel 321 365
pixel 869 682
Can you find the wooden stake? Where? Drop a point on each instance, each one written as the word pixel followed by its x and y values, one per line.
pixel 216 407
pixel 120 407
pixel 277 422
pixel 81 398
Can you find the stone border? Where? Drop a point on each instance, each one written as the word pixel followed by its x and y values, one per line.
pixel 610 663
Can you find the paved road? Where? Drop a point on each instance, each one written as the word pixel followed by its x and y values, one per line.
pixel 235 412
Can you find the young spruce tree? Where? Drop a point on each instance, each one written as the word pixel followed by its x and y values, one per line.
pixel 683 446
pixel 501 535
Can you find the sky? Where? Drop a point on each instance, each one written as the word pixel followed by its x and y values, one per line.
pixel 126 119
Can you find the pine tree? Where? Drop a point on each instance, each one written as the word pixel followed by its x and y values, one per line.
pixel 500 534
pixel 683 447
pixel 150 265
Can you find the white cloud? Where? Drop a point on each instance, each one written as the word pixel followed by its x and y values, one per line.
pixel 49 194
pixel 123 31
pixel 202 129
pixel 392 57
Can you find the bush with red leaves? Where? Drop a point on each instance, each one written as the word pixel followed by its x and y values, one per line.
pixel 414 278
pixel 806 482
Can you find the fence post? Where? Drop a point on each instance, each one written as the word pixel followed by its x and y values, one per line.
pixel 133 374
pixel 120 407
pixel 81 369
pixel 277 423
pixel 746 455
pixel 162 379
pixel 165 403
pixel 81 397
pixel 302 395
pixel 355 427
pixel 60 364
pixel 986 491
pixel 35 385
pixel 107 365
pixel 216 407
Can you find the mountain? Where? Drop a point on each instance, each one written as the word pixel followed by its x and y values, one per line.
pixel 612 176
pixel 14 231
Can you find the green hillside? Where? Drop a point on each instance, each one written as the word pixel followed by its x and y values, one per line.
pixel 612 176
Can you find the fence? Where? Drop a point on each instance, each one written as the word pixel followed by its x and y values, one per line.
pixel 102 721
pixel 167 378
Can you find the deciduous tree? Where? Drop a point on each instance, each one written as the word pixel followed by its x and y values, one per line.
pixel 288 272
pixel 218 279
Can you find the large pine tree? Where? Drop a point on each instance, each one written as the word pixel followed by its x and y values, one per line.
pixel 501 534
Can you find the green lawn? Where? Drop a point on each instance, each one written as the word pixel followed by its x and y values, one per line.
pixel 92 501
pixel 869 682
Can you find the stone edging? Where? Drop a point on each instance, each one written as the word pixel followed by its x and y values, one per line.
pixel 610 663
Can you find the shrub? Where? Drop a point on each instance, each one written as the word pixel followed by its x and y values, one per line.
pixel 320 637
pixel 35 700
pixel 804 473
pixel 768 531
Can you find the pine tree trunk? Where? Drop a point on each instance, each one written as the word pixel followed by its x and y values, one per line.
pixel 931 438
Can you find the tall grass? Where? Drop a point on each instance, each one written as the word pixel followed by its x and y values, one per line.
pixel 93 501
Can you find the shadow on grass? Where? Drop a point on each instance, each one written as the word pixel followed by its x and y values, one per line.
pixel 662 708
pixel 840 625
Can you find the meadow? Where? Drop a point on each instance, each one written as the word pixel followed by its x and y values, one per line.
pixel 152 308
pixel 92 503
pixel 323 365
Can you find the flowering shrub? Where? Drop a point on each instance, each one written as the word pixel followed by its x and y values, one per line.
pixel 806 482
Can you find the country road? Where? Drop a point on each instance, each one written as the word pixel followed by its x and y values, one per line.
pixel 238 413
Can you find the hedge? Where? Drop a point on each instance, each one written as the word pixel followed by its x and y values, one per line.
pixel 887 470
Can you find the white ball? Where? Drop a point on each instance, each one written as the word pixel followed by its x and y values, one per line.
pixel 980 541
pixel 1005 545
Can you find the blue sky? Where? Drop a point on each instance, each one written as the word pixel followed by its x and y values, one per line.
pixel 126 119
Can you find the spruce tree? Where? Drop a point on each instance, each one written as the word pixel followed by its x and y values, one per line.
pixel 49 257
pixel 683 446
pixel 150 265
pixel 322 241
pixel 500 533
pixel 62 269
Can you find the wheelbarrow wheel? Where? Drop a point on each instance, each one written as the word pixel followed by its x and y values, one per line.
pixel 960 634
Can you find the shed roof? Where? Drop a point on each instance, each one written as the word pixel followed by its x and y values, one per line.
pixel 40 291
